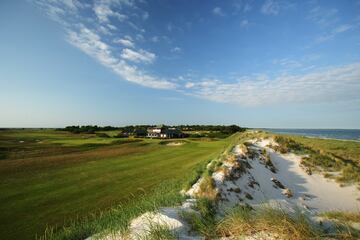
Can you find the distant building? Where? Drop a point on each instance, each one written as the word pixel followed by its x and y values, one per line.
pixel 162 131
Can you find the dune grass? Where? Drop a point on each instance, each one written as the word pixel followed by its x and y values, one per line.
pixel 324 155
pixel 342 216
pixel 50 178
pixel 244 221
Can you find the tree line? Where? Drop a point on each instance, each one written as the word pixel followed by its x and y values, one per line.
pixel 225 129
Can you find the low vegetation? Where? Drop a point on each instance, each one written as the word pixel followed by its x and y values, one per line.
pixel 203 221
pixel 244 221
pixel 321 157
pixel 342 216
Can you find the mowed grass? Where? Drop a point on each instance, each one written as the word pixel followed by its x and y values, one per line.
pixel 52 177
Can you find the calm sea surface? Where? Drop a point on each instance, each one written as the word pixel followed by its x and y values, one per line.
pixel 344 134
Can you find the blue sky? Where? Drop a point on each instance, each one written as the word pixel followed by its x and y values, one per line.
pixel 265 63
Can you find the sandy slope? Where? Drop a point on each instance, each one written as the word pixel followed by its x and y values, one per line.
pixel 311 192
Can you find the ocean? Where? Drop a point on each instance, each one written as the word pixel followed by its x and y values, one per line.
pixel 343 134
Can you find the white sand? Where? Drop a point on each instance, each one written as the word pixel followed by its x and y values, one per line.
pixel 310 192
pixel 141 226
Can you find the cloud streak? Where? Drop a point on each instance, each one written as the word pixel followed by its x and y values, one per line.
pixel 140 56
pixel 91 43
pixel 326 86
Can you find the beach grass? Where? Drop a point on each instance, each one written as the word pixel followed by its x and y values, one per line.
pixel 324 155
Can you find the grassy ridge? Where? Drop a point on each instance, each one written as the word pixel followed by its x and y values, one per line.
pixel 53 176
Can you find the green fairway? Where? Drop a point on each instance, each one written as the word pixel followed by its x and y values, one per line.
pixel 48 177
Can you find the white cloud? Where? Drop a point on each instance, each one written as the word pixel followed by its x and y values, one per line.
pixel 90 40
pixel 169 26
pixel 241 6
pixel 270 7
pixel 176 50
pixel 336 84
pixel 145 16
pixel 218 11
pixel 189 85
pixel 244 23
pixel 247 8
pixel 111 27
pixel 140 56
pixel 323 16
pixel 333 33
pixel 125 42
pixel 103 11
pixel 287 63
pixel 91 43
pixel 154 39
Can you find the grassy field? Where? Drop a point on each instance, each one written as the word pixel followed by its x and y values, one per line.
pixel 48 177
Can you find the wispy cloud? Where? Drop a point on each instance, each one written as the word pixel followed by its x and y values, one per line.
pixel 323 16
pixel 103 11
pixel 91 43
pixel 333 33
pixel 323 86
pixel 287 63
pixel 274 7
pixel 244 23
pixel 145 16
pixel 176 50
pixel 218 11
pixel 125 42
pixel 140 56
pixel 93 38
pixel 270 7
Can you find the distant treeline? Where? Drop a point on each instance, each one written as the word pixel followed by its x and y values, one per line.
pixel 220 128
pixel 87 129
pixel 142 128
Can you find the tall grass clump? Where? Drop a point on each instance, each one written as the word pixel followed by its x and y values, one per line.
pixel 203 221
pixel 160 232
pixel 342 216
pixel 244 221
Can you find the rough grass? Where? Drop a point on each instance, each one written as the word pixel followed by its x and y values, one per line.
pixel 342 216
pixel 203 221
pixel 243 221
pixel 160 232
pixel 207 188
pixel 69 176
